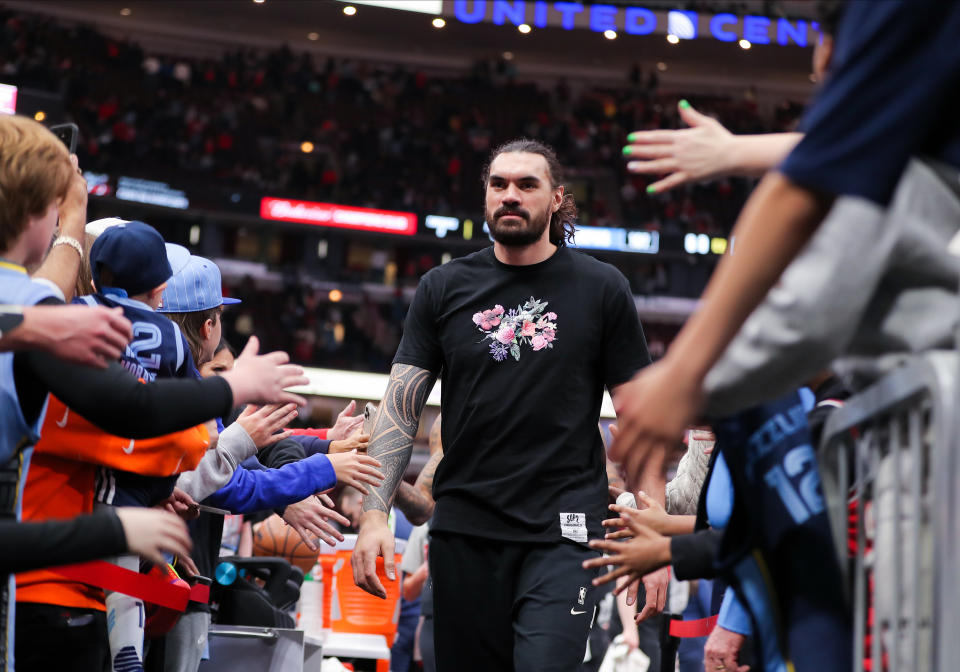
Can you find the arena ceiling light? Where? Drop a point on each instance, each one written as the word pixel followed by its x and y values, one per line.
pixel 313 37
pixel 673 39
pixel 125 11
pixel 434 7
pixel 439 23
pixel 306 147
pixel 745 44
pixel 524 28
pixel 40 115
pixel 349 10
pixel 610 34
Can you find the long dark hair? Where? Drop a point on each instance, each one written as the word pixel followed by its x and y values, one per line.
pixel 563 221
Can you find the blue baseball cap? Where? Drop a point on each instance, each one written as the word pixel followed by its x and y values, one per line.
pixel 197 286
pixel 136 256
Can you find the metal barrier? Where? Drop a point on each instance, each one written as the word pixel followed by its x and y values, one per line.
pixel 891 477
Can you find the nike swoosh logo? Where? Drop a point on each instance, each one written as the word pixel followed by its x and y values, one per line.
pixel 577 613
pixel 129 448
pixel 62 422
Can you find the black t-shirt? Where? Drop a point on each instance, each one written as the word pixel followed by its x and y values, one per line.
pixel 525 352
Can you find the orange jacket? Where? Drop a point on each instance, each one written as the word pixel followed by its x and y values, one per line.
pixel 60 484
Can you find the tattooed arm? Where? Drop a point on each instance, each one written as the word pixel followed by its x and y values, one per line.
pixel 391 442
pixel 416 501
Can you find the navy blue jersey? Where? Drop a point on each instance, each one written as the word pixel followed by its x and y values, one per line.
pixel 158 350
pixel 777 549
pixel 891 94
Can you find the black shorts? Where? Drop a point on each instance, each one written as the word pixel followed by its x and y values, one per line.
pixel 503 606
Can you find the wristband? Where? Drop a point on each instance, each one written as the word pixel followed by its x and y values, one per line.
pixel 10 318
pixel 71 241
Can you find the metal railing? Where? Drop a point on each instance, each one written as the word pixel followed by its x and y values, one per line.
pixel 891 477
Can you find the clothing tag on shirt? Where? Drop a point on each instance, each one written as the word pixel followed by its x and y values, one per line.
pixel 573 526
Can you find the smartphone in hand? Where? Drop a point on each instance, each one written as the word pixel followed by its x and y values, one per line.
pixel 68 134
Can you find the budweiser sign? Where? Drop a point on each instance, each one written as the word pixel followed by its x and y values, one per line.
pixel 342 216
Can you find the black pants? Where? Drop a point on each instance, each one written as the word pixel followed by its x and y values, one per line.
pixel 426 645
pixel 50 637
pixel 510 606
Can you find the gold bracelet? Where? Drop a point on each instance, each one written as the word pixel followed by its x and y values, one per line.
pixel 71 241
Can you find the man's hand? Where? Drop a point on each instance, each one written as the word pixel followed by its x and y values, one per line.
pixel 88 335
pixel 181 504
pixel 653 410
pixel 655 585
pixel 262 423
pixel 357 441
pixel 345 425
pixel 722 650
pixel 355 469
pixel 152 532
pixel 374 540
pixel 310 519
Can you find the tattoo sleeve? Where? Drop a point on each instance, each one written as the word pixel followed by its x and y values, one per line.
pixel 395 426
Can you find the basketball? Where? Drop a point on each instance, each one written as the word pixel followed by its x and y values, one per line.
pixel 273 537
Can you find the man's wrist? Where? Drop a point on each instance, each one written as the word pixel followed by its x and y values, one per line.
pixel 373 516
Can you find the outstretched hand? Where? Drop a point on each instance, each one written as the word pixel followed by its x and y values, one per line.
pixel 346 423
pixel 653 516
pixel 310 518
pixel 152 532
pixel 634 559
pixel 356 470
pixel 653 410
pixel 262 423
pixel 263 378
pixel 685 155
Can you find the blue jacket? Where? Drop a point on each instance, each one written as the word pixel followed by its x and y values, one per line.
pixel 252 490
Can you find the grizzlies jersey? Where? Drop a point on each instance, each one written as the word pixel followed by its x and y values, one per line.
pixel 158 349
pixel 777 550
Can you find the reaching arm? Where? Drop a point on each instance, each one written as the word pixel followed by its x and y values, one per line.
pixel 62 264
pixel 655 407
pixel 391 442
pixel 416 501
pixel 703 152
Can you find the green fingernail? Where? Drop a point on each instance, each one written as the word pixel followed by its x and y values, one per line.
pixel 684 104
pixel 632 137
pixel 627 150
pixel 651 189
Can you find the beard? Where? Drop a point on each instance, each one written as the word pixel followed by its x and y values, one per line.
pixel 517 234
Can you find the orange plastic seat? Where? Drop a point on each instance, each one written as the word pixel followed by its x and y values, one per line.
pixel 347 608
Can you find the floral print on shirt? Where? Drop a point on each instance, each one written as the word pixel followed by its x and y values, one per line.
pixel 508 330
